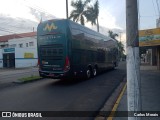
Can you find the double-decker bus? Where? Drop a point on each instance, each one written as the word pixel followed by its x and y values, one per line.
pixel 66 49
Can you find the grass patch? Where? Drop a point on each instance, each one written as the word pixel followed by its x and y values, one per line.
pixel 31 78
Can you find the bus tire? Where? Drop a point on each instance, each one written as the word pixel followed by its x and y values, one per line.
pixel 94 71
pixel 88 73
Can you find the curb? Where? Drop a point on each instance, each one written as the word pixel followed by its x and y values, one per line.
pixel 109 105
pixel 27 81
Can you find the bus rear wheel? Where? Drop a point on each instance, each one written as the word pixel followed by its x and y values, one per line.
pixel 94 71
pixel 88 73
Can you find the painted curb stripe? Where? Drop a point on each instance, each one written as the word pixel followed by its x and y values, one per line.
pixel 117 103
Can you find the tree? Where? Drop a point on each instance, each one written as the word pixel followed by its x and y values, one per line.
pixel 121 49
pixel 112 35
pixel 83 11
pixel 119 43
pixel 80 11
pixel 93 12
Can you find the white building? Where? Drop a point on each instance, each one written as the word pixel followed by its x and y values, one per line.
pixel 27 42
pixel 19 50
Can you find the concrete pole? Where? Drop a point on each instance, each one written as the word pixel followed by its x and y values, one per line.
pixel 133 60
pixel 67 9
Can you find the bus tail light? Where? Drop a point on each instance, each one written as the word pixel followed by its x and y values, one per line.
pixel 67 64
pixel 38 64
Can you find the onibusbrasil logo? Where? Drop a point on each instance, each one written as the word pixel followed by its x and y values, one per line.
pixel 50 27
pixel 21 114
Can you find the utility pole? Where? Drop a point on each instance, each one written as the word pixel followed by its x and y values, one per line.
pixel 67 9
pixel 133 60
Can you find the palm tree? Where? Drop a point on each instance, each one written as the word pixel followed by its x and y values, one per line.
pixel 112 35
pixel 93 12
pixel 97 13
pixel 83 11
pixel 80 11
pixel 119 43
pixel 121 49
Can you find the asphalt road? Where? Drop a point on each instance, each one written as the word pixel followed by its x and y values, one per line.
pixel 56 95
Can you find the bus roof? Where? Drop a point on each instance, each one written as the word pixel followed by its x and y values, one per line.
pixel 73 25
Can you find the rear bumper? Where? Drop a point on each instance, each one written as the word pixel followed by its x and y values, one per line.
pixel 47 74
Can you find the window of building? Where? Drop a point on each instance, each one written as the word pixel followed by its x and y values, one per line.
pixel 26 44
pixel 13 45
pixel 21 45
pixel 31 44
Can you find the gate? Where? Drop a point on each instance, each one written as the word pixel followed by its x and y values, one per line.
pixel 9 60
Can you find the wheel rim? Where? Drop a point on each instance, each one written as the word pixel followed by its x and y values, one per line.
pixel 94 71
pixel 88 73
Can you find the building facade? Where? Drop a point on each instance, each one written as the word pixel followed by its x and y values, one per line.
pixel 18 51
pixel 150 40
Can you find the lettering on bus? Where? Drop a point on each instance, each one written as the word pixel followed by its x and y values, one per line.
pixel 50 27
pixel 47 37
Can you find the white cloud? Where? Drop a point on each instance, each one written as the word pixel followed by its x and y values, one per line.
pixel 54 7
pixel 107 20
pixel 15 9
pixel 19 8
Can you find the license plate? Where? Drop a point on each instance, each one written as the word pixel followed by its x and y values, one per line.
pixel 51 75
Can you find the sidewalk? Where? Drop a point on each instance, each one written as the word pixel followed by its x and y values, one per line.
pixel 150 93
pixel 10 75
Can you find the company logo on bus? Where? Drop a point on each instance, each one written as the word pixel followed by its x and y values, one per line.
pixel 50 27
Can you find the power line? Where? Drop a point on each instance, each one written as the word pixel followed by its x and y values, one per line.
pixel 158 8
pixel 37 8
pixel 10 31
pixel 31 6
pixel 149 16
pixel 145 17
pixel 13 33
pixel 139 16
pixel 6 30
pixel 154 7
pixel 24 28
pixel 16 26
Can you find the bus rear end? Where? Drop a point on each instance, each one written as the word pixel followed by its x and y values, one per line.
pixel 52 49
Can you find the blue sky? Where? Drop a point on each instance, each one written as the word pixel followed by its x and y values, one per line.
pixel 148 13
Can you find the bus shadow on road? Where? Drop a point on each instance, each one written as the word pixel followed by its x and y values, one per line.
pixel 74 81
pixel 71 81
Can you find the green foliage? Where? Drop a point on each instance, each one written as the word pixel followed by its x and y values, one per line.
pixel 119 43
pixel 112 35
pixel 83 11
pixel 121 49
pixel 92 13
pixel 27 79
